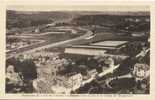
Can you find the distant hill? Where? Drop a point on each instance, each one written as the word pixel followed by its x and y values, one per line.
pixel 25 19
pixel 34 18
pixel 117 20
pixel 40 15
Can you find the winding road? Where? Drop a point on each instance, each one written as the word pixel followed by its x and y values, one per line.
pixel 44 46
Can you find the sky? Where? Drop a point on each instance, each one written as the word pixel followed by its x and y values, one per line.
pixel 122 8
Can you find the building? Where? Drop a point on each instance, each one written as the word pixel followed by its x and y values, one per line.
pixel 137 34
pixel 102 48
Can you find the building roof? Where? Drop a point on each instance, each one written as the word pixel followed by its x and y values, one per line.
pixel 103 45
pixel 92 47
pixel 109 43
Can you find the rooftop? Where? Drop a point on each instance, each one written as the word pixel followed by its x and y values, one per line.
pixel 109 43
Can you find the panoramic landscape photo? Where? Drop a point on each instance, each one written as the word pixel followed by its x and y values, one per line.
pixel 77 52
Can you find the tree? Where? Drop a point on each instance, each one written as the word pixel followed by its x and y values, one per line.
pixel 26 67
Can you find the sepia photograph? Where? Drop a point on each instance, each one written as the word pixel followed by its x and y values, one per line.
pixel 77 51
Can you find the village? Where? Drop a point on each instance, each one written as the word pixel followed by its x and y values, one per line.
pixel 80 59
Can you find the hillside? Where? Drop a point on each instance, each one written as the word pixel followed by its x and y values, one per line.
pixel 26 19
pixel 21 19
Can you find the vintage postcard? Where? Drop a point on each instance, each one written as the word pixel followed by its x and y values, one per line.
pixel 77 51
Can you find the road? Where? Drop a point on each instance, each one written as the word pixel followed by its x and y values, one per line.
pixel 45 45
